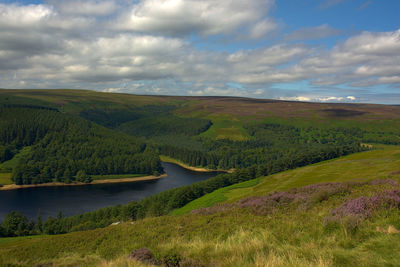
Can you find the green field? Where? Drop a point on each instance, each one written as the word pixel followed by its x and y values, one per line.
pixel 215 197
pixel 12 163
pixel 178 162
pixel 381 163
pixel 229 129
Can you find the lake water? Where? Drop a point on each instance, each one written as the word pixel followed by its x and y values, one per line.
pixel 73 200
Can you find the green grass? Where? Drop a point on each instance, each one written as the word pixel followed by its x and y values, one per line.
pixel 8 240
pixel 291 236
pixel 5 178
pixel 362 166
pixel 226 129
pixel 12 163
pixel 215 197
pixel 178 162
pixel 116 176
pixel 380 163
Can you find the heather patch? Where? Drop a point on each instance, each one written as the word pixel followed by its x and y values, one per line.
pixel 384 181
pixel 143 255
pixel 304 197
pixel 308 196
pixel 354 211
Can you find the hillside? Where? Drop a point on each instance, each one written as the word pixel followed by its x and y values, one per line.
pixel 229 115
pixel 355 222
pixel 207 132
pixel 39 145
pixel 383 163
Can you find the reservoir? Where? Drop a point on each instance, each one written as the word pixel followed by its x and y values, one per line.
pixel 71 200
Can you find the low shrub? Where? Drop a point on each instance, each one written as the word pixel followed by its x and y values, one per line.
pixel 352 212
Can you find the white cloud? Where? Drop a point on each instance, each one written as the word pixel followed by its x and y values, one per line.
pixel 87 7
pixel 296 98
pixel 319 98
pixel 23 16
pixel 208 17
pixel 262 28
pixel 146 44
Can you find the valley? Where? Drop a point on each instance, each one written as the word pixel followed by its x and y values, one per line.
pixel 279 162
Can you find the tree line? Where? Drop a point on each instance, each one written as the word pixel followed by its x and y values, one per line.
pixel 63 145
pixel 267 143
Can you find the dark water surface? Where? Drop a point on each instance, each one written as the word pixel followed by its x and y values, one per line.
pixel 73 200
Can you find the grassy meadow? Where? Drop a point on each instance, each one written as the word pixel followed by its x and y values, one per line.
pixel 232 238
pixel 384 162
pixel 10 164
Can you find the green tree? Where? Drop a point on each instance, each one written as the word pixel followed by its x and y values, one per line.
pixel 39 222
pixel 82 176
pixel 15 224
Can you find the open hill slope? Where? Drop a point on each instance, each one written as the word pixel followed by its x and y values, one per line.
pixel 383 163
pixel 355 222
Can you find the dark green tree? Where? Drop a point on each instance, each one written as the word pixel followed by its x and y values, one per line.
pixel 39 222
pixel 83 177
pixel 15 224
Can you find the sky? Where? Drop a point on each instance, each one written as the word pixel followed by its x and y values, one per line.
pixel 305 50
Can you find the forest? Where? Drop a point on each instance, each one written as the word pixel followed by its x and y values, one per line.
pixel 62 145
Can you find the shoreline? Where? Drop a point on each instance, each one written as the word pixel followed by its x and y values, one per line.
pixel 104 181
pixel 115 181
pixel 196 169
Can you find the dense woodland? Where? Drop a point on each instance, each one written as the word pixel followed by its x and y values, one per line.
pixel 114 140
pixel 62 145
pixel 268 143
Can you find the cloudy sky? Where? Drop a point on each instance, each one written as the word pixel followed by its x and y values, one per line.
pixel 308 50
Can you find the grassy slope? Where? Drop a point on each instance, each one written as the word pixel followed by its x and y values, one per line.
pixel 225 128
pixel 364 166
pixel 235 238
pixel 7 166
pixel 10 164
pixel 180 163
pixel 239 238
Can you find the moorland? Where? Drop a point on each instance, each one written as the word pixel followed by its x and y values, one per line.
pixel 308 183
